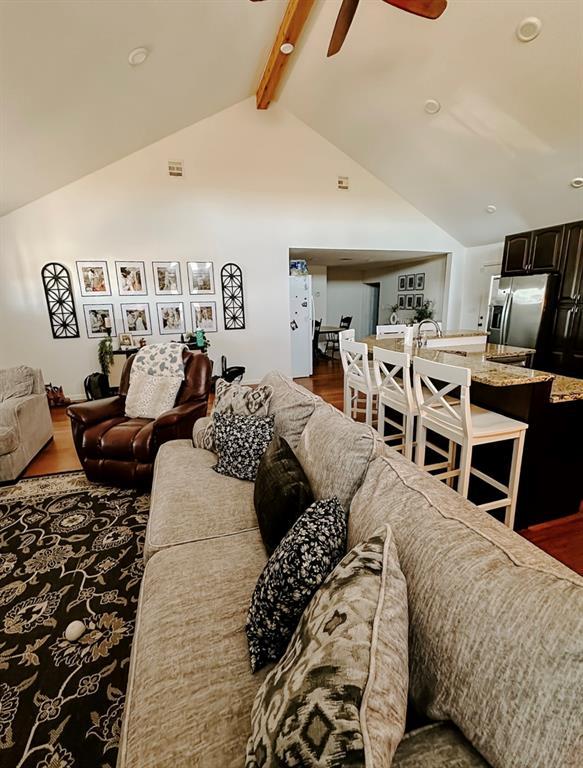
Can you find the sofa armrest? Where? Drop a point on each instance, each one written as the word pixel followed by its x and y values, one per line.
pixel 95 411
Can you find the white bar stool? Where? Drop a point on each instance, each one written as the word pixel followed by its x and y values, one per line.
pixel 465 425
pixel 357 379
pixel 392 377
pixel 388 331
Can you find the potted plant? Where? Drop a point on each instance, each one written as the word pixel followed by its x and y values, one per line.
pixel 105 355
pixel 424 312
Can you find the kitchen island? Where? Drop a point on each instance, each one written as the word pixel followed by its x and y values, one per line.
pixel 551 480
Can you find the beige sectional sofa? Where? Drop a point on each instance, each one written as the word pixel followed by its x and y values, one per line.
pixel 496 626
pixel 25 419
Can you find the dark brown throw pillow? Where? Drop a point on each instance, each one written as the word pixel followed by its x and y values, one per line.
pixel 282 492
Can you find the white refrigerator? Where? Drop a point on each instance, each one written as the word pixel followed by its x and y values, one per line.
pixel 301 324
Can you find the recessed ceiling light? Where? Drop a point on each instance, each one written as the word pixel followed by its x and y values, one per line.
pixel 138 56
pixel 432 106
pixel 577 182
pixel 529 29
pixel 491 209
pixel 286 48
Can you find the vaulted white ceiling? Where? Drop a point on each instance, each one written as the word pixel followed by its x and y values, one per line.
pixel 509 133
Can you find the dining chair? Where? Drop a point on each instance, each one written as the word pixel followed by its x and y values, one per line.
pixel 333 338
pixel 465 425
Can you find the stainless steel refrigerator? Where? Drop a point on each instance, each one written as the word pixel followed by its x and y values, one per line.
pixel 521 310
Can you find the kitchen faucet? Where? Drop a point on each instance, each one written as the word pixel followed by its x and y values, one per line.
pixel 419 339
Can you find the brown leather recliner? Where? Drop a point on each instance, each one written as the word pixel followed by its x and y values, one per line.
pixel 117 450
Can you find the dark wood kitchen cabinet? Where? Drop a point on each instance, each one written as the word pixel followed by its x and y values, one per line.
pixel 566 348
pixel 528 253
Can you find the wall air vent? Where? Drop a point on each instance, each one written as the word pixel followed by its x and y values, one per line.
pixel 175 168
pixel 343 182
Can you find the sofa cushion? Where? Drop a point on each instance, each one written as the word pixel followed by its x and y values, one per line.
pixel 291 405
pixel 241 442
pixel 303 560
pixel 339 694
pixel 335 452
pixel 8 440
pixel 495 624
pixel 16 382
pixel 439 745
pixel 190 687
pixel 282 492
pixel 191 502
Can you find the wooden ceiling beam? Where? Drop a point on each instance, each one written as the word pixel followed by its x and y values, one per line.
pixel 290 29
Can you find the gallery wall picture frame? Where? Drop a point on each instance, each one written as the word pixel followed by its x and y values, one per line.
pixel 171 317
pixel 233 299
pixel 204 316
pixel 136 318
pixel 99 320
pixel 167 278
pixel 401 301
pixel 131 278
pixel 410 282
pixel 93 278
pixel 60 301
pixel 418 301
pixel 409 301
pixel 201 277
pixel 420 281
pixel 402 283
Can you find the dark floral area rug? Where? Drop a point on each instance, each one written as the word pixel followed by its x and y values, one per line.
pixel 70 550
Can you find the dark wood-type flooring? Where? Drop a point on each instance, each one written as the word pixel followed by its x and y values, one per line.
pixel 562 538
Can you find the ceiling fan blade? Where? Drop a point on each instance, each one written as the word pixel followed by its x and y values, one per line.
pixel 343 22
pixel 429 9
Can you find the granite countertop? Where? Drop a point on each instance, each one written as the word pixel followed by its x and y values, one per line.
pixel 477 358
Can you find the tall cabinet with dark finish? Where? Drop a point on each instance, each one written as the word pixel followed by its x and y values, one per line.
pixel 566 354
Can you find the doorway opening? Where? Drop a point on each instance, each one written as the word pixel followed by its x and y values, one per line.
pixel 370 308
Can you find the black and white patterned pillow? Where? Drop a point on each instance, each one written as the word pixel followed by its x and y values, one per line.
pixel 240 443
pixel 306 555
pixel 234 398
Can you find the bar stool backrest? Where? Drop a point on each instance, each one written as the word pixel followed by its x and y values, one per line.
pixel 432 382
pixel 390 330
pixel 354 355
pixel 394 390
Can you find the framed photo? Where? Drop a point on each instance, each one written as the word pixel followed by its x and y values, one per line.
pixel 420 281
pixel 136 319
pixel 131 278
pixel 410 282
pixel 167 280
pixel 409 301
pixel 171 317
pixel 93 278
pixel 201 277
pixel 418 301
pixel 204 315
pixel 401 301
pixel 402 282
pixel 125 341
pixel 99 320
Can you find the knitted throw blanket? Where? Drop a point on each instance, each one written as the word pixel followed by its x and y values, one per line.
pixel 155 379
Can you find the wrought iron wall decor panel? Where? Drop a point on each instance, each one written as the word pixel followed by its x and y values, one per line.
pixel 60 303
pixel 233 304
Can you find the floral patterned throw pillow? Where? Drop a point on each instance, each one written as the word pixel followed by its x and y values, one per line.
pixel 240 443
pixel 338 697
pixel 304 558
pixel 234 399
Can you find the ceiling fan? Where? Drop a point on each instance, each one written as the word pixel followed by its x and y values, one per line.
pixel 429 9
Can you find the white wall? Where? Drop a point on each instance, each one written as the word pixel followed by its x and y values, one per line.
pixel 256 184
pixel 480 262
pixel 345 297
